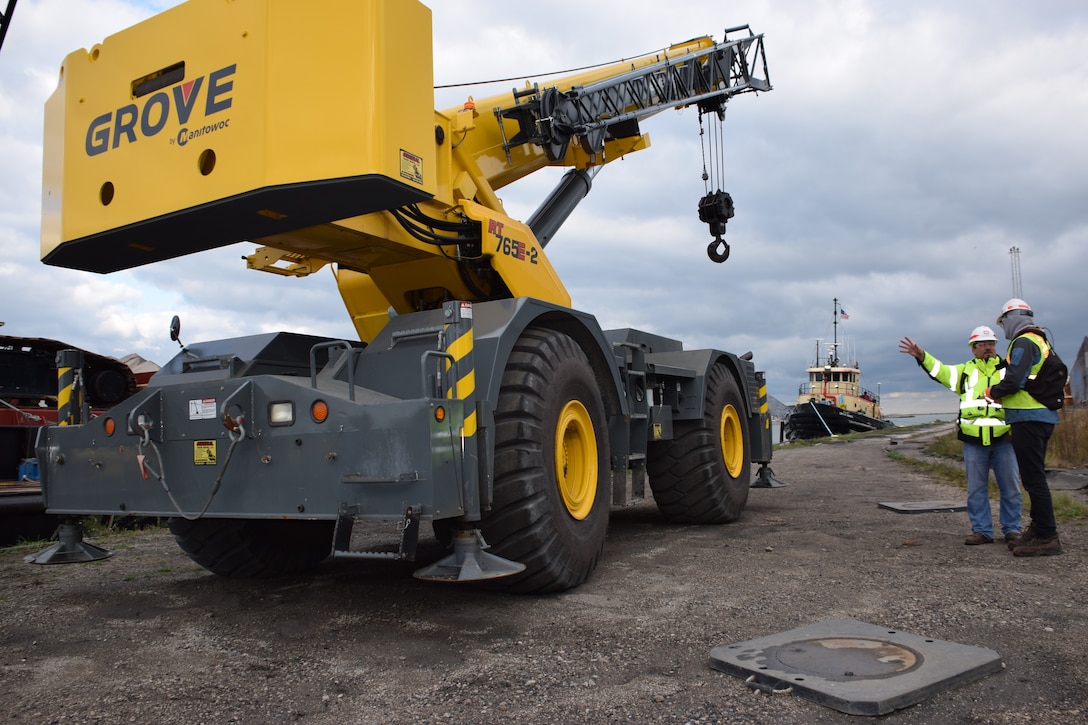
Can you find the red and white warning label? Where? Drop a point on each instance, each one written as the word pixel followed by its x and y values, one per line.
pixel 202 409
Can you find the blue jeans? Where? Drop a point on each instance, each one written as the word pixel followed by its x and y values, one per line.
pixel 978 460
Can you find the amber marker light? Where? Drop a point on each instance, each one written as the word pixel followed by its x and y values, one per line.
pixel 440 413
pixel 319 411
pixel 109 426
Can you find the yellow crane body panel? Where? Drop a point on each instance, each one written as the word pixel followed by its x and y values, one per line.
pixel 219 121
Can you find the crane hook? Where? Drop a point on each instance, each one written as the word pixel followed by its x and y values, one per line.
pixel 716 209
pixel 714 254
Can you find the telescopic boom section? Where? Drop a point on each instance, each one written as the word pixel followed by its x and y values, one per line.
pixel 518 133
pixel 611 108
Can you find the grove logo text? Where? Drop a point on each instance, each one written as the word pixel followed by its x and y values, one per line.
pixel 131 122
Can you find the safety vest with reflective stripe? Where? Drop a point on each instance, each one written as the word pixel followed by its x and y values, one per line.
pixel 1022 399
pixel 979 421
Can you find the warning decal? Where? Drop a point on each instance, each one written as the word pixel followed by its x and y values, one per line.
pixel 411 167
pixel 203 453
pixel 202 409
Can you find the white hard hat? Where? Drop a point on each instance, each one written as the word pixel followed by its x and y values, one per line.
pixel 981 333
pixel 1014 305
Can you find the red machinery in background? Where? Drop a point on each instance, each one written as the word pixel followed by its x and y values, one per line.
pixel 29 389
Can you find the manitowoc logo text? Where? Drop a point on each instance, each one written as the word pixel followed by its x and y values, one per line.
pixel 131 122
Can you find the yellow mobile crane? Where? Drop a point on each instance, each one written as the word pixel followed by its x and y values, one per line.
pixel 476 398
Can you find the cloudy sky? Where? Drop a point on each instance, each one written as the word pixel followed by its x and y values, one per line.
pixel 906 148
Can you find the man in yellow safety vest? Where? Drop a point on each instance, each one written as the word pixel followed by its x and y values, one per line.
pixel 1032 424
pixel 984 432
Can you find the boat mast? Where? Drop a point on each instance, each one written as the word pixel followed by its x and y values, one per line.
pixel 834 357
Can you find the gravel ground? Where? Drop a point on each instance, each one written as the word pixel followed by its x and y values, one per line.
pixel 147 636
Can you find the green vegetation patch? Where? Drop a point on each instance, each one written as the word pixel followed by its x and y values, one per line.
pixel 1068 449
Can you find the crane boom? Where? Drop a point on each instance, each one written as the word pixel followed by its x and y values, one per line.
pixel 612 107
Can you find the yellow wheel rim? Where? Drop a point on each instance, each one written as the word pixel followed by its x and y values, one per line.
pixel 576 459
pixel 732 440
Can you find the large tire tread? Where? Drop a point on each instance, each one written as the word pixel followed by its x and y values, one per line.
pixel 689 480
pixel 528 522
pixel 253 548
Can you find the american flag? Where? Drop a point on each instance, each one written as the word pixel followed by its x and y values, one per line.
pixel 843 315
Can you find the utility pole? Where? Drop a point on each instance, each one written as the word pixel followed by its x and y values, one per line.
pixel 1017 287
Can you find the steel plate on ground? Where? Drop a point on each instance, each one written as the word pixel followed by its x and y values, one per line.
pixel 1073 479
pixel 854 667
pixel 923 507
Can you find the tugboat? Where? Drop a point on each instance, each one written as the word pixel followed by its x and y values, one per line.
pixel 832 402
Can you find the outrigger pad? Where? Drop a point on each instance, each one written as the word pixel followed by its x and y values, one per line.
pixel 854 667
pixel 1066 480
pixel 765 479
pixel 923 507
pixel 70 549
pixel 469 562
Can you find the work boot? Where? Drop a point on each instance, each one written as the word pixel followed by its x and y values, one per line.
pixel 1013 539
pixel 1039 547
pixel 1025 538
pixel 977 538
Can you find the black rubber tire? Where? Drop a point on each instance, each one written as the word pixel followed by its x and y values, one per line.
pixel 254 548
pixel 689 475
pixel 443 531
pixel 546 378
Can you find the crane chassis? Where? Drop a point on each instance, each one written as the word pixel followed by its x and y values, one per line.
pixel 476 398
